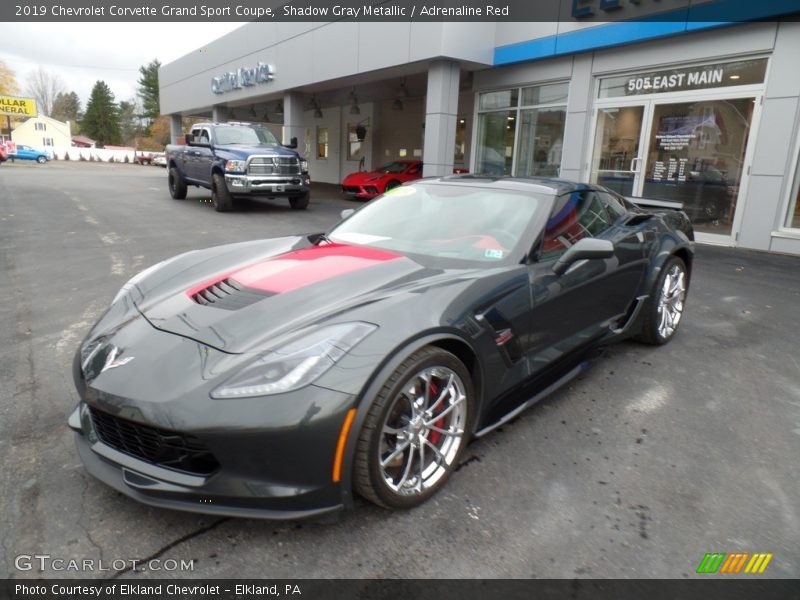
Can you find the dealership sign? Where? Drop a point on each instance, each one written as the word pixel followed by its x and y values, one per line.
pixel 242 77
pixel 743 72
pixel 17 107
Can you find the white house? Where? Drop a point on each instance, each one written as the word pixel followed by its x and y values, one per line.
pixel 43 132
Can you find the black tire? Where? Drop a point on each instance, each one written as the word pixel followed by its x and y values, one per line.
pixel 299 202
pixel 177 184
pixel 655 330
pixel 41 159
pixel 391 185
pixel 220 196
pixel 374 442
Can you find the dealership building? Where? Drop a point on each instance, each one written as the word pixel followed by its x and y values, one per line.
pixel 701 113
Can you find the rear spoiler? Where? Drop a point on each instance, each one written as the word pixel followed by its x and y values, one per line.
pixel 651 203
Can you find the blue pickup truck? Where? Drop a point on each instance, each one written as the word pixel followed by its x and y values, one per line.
pixel 237 160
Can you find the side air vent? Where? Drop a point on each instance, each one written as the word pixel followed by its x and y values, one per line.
pixel 229 295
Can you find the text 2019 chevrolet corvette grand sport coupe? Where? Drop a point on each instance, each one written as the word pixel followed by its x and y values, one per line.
pixel 276 378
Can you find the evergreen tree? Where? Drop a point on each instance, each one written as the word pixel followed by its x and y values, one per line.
pixel 101 120
pixel 67 107
pixel 148 90
pixel 129 123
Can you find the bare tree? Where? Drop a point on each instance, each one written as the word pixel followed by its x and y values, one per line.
pixel 43 86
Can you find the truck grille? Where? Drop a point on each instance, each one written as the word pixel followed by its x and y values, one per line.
pixel 278 165
pixel 160 447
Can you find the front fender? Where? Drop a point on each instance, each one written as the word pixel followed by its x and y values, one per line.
pixel 376 381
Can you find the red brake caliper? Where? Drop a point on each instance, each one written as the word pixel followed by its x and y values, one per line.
pixel 434 436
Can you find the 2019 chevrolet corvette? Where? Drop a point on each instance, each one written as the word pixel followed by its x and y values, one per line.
pixel 365 185
pixel 278 377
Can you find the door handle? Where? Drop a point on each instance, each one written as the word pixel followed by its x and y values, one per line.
pixel 637 162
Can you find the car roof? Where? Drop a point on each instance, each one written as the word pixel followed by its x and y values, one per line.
pixel 227 123
pixel 545 185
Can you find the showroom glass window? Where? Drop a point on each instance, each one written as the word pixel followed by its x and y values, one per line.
pixel 679 134
pixel 793 218
pixel 521 130
pixel 322 142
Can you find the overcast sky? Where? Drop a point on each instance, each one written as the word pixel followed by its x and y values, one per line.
pixel 82 53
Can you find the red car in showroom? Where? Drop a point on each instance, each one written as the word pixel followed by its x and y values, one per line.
pixel 365 185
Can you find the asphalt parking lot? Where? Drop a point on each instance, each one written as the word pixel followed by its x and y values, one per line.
pixel 652 458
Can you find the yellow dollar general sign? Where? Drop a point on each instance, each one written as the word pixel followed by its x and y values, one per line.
pixel 17 107
pixel 734 563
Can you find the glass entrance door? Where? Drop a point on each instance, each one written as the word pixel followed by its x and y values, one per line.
pixel 617 158
pixel 696 156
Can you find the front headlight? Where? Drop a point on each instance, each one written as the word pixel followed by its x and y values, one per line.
pixel 303 165
pixel 236 165
pixel 296 364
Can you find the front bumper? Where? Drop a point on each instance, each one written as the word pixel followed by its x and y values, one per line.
pixel 233 490
pixel 362 192
pixel 272 457
pixel 163 488
pixel 268 185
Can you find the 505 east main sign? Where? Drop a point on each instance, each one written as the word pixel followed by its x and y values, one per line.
pixel 242 77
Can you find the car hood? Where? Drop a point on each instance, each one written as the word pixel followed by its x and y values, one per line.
pixel 241 152
pixel 237 302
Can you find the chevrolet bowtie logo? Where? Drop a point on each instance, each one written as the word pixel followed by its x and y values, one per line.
pixel 734 563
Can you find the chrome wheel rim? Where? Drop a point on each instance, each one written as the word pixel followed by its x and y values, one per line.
pixel 670 301
pixel 423 431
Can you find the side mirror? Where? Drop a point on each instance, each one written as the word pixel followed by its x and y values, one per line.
pixel 189 139
pixel 585 249
pixel 346 213
pixel 292 143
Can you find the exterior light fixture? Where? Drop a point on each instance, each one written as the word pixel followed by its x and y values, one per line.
pixel 402 94
pixel 354 110
pixel 314 104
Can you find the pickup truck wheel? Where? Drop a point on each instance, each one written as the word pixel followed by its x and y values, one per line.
pixel 220 196
pixel 177 184
pixel 299 202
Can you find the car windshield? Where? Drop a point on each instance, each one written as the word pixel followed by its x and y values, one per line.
pixel 392 167
pixel 250 136
pixel 464 223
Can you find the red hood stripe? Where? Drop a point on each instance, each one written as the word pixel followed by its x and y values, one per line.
pixel 303 267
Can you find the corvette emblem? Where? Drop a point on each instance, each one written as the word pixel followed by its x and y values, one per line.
pixel 112 362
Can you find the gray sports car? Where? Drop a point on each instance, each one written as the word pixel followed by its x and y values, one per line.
pixel 276 378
